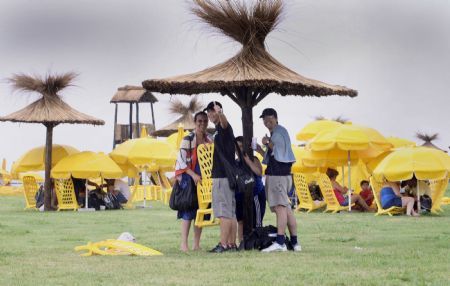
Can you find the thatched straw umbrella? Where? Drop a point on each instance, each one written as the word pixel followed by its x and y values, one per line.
pixel 49 110
pixel 252 74
pixel 187 112
pixel 428 138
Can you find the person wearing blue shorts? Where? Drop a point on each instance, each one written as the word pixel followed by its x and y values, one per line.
pixel 390 197
pixel 259 193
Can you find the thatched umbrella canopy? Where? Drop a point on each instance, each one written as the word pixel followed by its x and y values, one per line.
pixel 428 138
pixel 49 110
pixel 187 112
pixel 252 74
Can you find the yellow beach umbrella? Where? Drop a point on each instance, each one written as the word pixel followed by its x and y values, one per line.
pixel 146 154
pixel 144 132
pixel 354 141
pixel 305 161
pixel 85 165
pixel 313 128
pixel 349 137
pixel 421 162
pixel 400 142
pixel 34 159
pixel 173 139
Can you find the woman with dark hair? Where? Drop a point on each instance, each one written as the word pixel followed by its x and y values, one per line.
pixel 259 193
pixel 342 192
pixel 187 168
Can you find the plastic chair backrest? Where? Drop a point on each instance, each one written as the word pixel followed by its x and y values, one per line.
pixel 302 189
pixel 376 188
pixel 65 194
pixel 327 191
pixel 205 154
pixel 30 188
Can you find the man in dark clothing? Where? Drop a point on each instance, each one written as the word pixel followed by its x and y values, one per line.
pixel 223 201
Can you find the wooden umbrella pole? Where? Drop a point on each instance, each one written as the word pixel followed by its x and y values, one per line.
pixel 115 127
pixel 48 166
pixel 247 127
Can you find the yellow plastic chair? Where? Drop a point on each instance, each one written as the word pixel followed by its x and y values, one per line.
pixel 303 194
pixel 65 194
pixel 204 188
pixel 30 187
pixel 376 189
pixel 113 247
pixel 328 195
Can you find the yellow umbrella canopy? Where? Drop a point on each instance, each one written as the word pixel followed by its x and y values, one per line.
pixel 422 162
pixel 400 142
pixel 145 153
pixel 86 165
pixel 173 139
pixel 34 159
pixel 349 137
pixel 313 128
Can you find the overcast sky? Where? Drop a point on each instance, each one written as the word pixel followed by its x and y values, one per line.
pixel 396 53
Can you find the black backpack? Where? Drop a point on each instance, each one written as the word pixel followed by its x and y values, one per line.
pixel 111 202
pixel 263 237
pixel 39 197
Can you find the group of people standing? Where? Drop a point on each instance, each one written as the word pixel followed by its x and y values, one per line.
pixel 227 204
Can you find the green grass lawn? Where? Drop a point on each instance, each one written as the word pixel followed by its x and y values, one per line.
pixel 339 249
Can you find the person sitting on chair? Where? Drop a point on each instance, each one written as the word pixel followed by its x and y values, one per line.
pixel 390 196
pixel 342 192
pixel 366 192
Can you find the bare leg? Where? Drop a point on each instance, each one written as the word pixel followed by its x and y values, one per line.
pixel 197 235
pixel 291 222
pixel 240 231
pixel 408 202
pixel 282 218
pixel 185 226
pixel 225 230
pixel 232 237
pixel 360 201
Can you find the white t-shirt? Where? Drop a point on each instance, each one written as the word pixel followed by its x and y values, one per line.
pixel 122 187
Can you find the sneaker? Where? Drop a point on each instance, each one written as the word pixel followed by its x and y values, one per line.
pixel 275 247
pixel 232 248
pixel 218 249
pixel 297 247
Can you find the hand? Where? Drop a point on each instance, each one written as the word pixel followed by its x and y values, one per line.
pixel 259 149
pixel 217 108
pixel 247 159
pixel 196 178
pixel 265 140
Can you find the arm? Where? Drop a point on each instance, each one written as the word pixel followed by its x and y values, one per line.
pixel 254 165
pixel 222 118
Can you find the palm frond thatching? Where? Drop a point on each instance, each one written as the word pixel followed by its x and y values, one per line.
pixel 49 85
pixel 340 119
pixel 252 67
pixel 427 137
pixel 132 94
pixel 179 108
pixel 50 108
pixel 186 112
